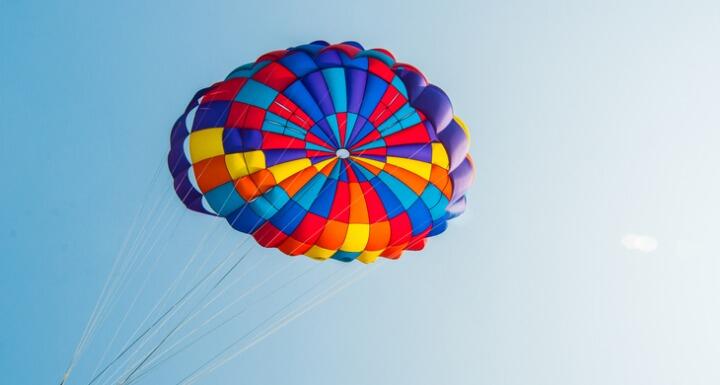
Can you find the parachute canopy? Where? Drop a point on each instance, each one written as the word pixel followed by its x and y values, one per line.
pixel 331 151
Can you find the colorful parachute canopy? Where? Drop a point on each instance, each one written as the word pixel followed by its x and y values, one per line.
pixel 331 151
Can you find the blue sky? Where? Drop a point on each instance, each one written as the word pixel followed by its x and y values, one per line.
pixel 590 121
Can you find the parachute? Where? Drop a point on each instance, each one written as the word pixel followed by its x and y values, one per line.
pixel 330 151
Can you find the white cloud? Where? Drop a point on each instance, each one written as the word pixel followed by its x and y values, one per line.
pixel 642 243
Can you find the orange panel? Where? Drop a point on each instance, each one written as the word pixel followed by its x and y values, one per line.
pixel 296 182
pixel 379 236
pixel 291 246
pixel 412 180
pixel 333 235
pixel 211 173
pixel 358 207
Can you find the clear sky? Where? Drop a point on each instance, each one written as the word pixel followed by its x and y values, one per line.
pixel 591 121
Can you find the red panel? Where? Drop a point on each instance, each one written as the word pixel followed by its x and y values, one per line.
pixel 340 210
pixel 380 69
pixel 272 140
pixel 401 229
pixel 245 116
pixel 226 90
pixel 372 136
pixel 272 56
pixel 275 76
pixel 310 137
pixel 268 235
pixel 415 134
pixel 347 49
pixel 375 208
pixel 342 125
pixel 380 151
pixel 418 242
pixel 282 106
pixel 308 231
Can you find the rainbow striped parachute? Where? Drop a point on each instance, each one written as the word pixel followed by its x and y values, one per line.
pixel 331 151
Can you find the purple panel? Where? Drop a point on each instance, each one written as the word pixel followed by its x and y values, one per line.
pixel 179 131
pixel 325 127
pixel 241 139
pixel 456 208
pixel 413 82
pixel 421 152
pixel 315 83
pixel 359 133
pixel 379 158
pixel 187 193
pixel 211 114
pixel 251 139
pixel 318 159
pixel 462 178
pixel 177 160
pixel 359 123
pixel 328 58
pixel 355 83
pixel 436 106
pixel 273 157
pixel 456 143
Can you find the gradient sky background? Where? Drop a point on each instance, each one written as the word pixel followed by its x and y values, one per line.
pixel 591 120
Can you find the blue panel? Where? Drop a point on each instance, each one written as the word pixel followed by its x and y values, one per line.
pixel 299 63
pixel 374 144
pixel 400 86
pixel 362 170
pixel 358 134
pixel 325 127
pixel 335 80
pixel 309 192
pixel 333 123
pixel 351 118
pixel 224 199
pixel 359 172
pixel 262 207
pixel 439 226
pixel 390 201
pixel 320 133
pixel 345 256
pixel 299 95
pixel 324 201
pixel 245 220
pixel 247 70
pixel 401 190
pixel 342 170
pixel 276 196
pixel 374 90
pixel 289 217
pixel 419 217
pixel 211 114
pixel 256 94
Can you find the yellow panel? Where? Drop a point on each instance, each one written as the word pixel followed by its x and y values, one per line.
pixel 415 166
pixel 369 161
pixel 463 126
pixel 368 256
pixel 206 144
pixel 283 171
pixel 320 165
pixel 356 238
pixel 236 165
pixel 440 156
pixel 254 160
pixel 318 252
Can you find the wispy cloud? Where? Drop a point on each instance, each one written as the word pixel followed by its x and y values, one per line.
pixel 642 243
